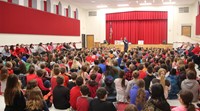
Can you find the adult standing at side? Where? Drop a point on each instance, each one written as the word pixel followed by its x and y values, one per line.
pixel 125 44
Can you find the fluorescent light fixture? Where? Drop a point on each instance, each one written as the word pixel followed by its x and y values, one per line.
pixel 145 4
pixel 123 5
pixel 169 3
pixel 102 6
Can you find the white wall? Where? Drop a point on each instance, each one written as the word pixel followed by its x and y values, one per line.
pixel 96 24
pixel 9 39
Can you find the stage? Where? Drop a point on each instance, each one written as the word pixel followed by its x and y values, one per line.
pixel 121 47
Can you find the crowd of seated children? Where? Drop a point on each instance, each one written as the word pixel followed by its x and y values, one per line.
pixel 63 76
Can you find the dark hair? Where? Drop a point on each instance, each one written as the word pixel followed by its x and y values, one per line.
pixel 191 75
pixel 4 74
pixel 62 70
pixel 102 60
pixel 84 90
pixel 60 80
pixel 164 66
pixel 79 81
pixel 40 73
pixel 140 67
pixel 187 98
pixel 146 64
pixel 42 66
pixel 73 76
pixel 141 95
pixel 84 68
pixel 93 76
pixel 31 84
pixel 109 80
pixel 96 62
pixel 150 69
pixel 191 65
pixel 157 91
pixel 56 70
pixel 31 70
pixel 121 75
pixel 101 93
pixel 173 71
pixel 12 88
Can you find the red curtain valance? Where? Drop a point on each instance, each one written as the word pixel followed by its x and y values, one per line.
pixel 137 15
pixel 198 25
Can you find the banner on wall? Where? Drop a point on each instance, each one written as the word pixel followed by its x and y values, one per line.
pixel 16 19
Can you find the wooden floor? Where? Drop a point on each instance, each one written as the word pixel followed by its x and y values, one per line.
pixel 165 46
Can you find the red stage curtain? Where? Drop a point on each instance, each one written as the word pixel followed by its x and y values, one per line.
pixel 198 23
pixel 137 15
pixel 10 1
pixel 29 3
pixel 45 5
pixel 150 27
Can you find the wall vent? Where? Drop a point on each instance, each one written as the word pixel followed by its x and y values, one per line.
pixel 183 9
pixel 92 13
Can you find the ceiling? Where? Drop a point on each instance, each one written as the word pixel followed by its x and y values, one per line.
pixel 92 4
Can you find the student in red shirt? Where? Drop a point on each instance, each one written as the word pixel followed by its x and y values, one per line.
pixel 56 72
pixel 13 52
pixel 83 101
pixel 92 85
pixel 196 55
pixel 94 56
pixel 63 73
pixel 9 67
pixel 88 58
pixel 75 93
pixel 142 74
pixel 40 74
pixel 17 49
pixel 22 49
pixel 30 76
pixel 196 49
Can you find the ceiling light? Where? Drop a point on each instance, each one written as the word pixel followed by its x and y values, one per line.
pixel 102 6
pixel 145 4
pixel 169 3
pixel 123 5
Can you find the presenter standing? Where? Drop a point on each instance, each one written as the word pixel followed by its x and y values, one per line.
pixel 125 44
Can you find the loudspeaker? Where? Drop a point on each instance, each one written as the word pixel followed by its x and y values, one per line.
pixel 83 40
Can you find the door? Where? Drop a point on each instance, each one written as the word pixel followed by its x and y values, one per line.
pixel 90 41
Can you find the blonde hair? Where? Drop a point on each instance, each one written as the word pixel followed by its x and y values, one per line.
pixel 74 64
pixel 162 76
pixel 131 107
pixel 35 100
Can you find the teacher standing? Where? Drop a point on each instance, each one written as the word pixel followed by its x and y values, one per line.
pixel 125 44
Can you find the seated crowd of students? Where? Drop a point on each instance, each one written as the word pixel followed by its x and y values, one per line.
pixel 99 79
